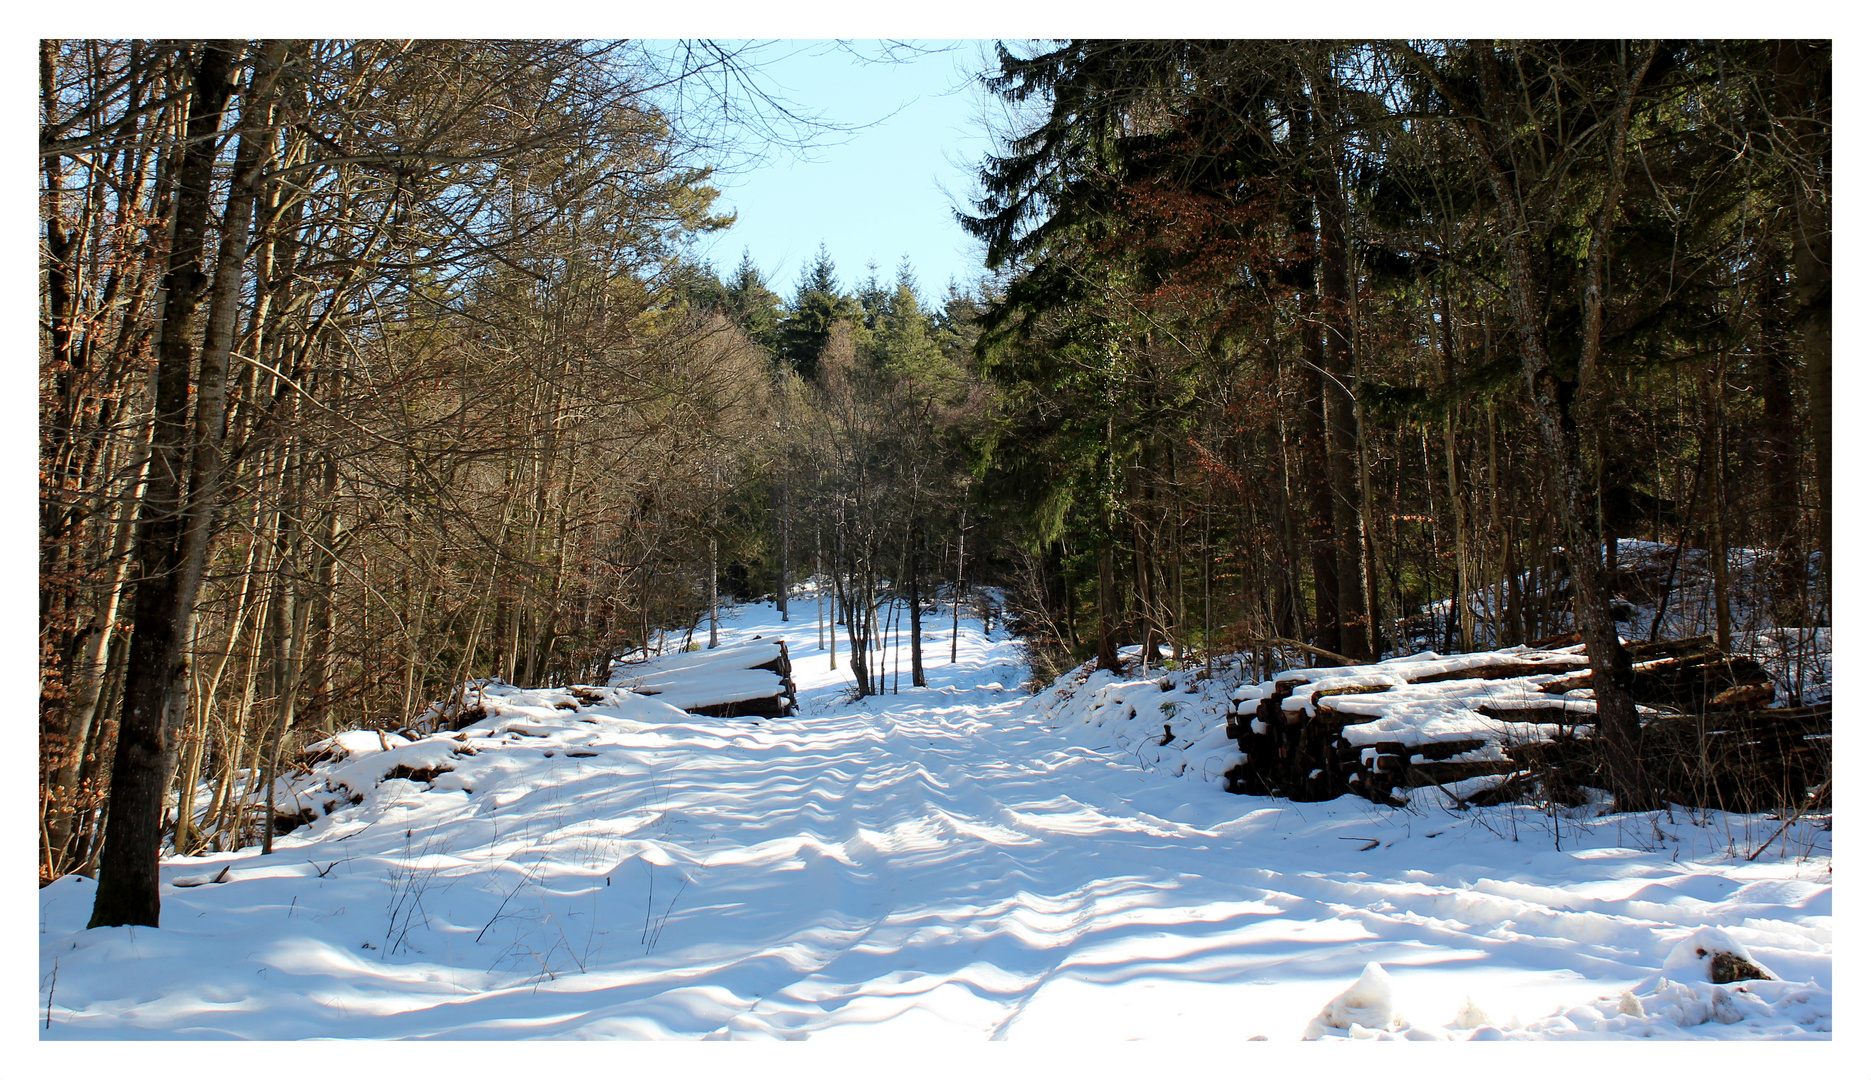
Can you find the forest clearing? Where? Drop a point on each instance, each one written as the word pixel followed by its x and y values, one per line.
pixel 1347 554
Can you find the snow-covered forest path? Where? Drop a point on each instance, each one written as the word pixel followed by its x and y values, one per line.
pixel 930 865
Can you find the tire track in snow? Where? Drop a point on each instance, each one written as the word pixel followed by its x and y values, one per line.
pixel 932 865
pixel 930 786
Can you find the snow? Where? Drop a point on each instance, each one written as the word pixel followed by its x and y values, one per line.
pixel 1799 657
pixel 948 865
pixel 1682 1002
pixel 1367 1005
pixel 1693 957
pixel 1130 714
pixel 704 677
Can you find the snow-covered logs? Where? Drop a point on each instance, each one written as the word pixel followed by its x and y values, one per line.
pixel 755 679
pixel 1484 726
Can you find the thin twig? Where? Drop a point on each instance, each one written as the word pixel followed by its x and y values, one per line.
pixel 1290 643
pixel 503 906
pixel 1811 801
pixel 664 921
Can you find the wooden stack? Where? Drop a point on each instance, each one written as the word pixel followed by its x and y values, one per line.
pixel 1299 757
pixel 753 679
pixel 1306 758
pixel 1741 759
pixel 1708 738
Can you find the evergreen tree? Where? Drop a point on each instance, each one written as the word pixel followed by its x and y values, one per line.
pixel 905 344
pixel 872 298
pixel 817 308
pixel 752 306
pixel 698 287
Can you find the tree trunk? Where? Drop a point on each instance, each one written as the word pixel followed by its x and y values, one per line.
pixel 1107 604
pixel 1715 475
pixel 1464 584
pixel 917 678
pixel 1559 419
pixel 88 686
pixel 785 582
pixel 1804 81
pixel 714 593
pixel 1317 470
pixel 1340 420
pixel 127 892
pixel 961 552
pixel 1780 455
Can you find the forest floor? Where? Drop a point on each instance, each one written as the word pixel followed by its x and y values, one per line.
pixel 938 865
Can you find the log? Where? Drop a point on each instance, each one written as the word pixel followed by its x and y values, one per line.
pixel 1512 670
pixel 1535 714
pixel 1728 752
pixel 1567 685
pixel 1743 697
pixel 754 679
pixel 1442 751
pixel 1693 684
pixel 1681 647
pixel 1692 680
pixel 1341 691
pixel 1432 773
pixel 1512 787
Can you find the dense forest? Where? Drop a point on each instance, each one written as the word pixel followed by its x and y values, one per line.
pixel 368 369
pixel 1318 334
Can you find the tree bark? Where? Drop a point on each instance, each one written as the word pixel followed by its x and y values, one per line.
pixel 1804 81
pixel 1341 426
pixel 1780 455
pixel 1559 418
pixel 1316 463
pixel 127 892
pixel 1464 583
pixel 1107 604
pixel 917 678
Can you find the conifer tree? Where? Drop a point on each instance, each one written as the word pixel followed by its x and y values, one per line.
pixel 750 305
pixel 817 308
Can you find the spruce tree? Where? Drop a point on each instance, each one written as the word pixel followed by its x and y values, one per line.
pixel 752 306
pixel 817 308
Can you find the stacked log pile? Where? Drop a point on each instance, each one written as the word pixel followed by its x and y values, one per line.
pixel 1710 738
pixel 755 679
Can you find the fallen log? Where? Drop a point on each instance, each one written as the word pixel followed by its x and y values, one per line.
pixel 1651 650
pixel 1535 714
pixel 1341 691
pixel 1431 774
pixel 1511 670
pixel 754 679
pixel 1707 736
pixel 1442 751
pixel 1695 680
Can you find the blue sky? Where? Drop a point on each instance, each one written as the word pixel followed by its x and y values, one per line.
pixel 881 192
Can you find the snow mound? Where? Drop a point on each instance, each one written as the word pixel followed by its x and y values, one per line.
pixel 1172 723
pixel 348 768
pixel 1696 957
pixel 1681 1002
pixel 1662 1008
pixel 1362 1011
pixel 346 743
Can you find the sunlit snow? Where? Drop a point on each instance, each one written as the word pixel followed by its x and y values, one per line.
pixel 945 864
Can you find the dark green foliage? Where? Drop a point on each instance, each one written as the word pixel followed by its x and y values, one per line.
pixel 1255 334
pixel 750 305
pixel 816 309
